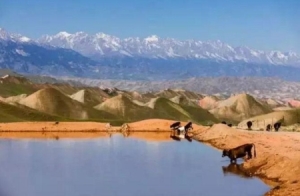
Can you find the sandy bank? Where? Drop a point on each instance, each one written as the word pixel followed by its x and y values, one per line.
pixel 157 125
pixel 82 129
pixel 54 131
pixel 278 155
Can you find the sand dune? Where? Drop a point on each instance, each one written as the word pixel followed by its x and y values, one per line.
pixel 89 97
pixel 169 93
pixel 208 102
pixel 14 99
pixel 166 109
pixel 238 108
pixel 122 106
pixel 52 101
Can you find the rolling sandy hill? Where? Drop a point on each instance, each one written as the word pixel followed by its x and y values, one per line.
pixel 208 102
pixel 282 108
pixel 238 108
pixel 170 93
pixel 294 103
pixel 184 101
pixel 52 101
pixel 13 99
pixel 90 97
pixel 166 109
pixel 269 103
pixel 12 113
pixel 136 96
pixel 273 103
pixel 123 107
pixel 287 117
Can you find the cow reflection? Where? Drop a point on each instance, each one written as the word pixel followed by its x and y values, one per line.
pixel 236 169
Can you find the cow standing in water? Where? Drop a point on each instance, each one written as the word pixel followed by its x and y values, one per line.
pixel 239 152
pixel 181 131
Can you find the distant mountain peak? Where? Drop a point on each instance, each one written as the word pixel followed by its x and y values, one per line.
pixel 104 45
pixel 63 34
pixel 152 38
pixel 149 58
pixel 4 34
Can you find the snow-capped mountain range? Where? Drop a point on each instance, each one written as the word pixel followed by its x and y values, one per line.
pixel 103 45
pixel 102 56
pixel 5 36
pixel 21 54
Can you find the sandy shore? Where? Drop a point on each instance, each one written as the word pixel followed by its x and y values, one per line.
pixel 84 129
pixel 278 155
pixel 50 130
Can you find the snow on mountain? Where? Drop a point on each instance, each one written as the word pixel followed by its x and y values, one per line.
pixel 19 53
pixel 102 45
pixel 4 35
pixel 134 58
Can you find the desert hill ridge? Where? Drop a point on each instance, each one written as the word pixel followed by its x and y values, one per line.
pixel 54 102
pixel 78 102
pixel 239 107
pixel 121 105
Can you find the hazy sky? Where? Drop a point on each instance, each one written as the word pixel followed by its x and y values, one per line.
pixel 259 24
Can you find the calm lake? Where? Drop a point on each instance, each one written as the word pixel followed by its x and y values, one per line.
pixel 133 166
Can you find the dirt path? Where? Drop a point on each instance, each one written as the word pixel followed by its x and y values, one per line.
pixel 277 160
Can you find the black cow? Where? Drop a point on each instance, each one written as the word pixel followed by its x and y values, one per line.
pixel 229 125
pixel 175 125
pixel 239 152
pixel 249 125
pixel 223 122
pixel 277 126
pixel 269 127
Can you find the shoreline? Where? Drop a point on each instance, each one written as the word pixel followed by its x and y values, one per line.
pixel 277 162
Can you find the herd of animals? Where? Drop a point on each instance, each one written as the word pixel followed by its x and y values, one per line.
pixel 269 127
pixel 243 151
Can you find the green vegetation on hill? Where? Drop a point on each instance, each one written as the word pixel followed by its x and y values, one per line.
pixel 48 102
pixel 10 89
pixel 167 109
pixel 11 113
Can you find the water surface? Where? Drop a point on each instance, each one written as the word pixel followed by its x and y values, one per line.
pixel 118 166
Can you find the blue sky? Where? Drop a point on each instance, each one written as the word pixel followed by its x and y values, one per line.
pixel 259 24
